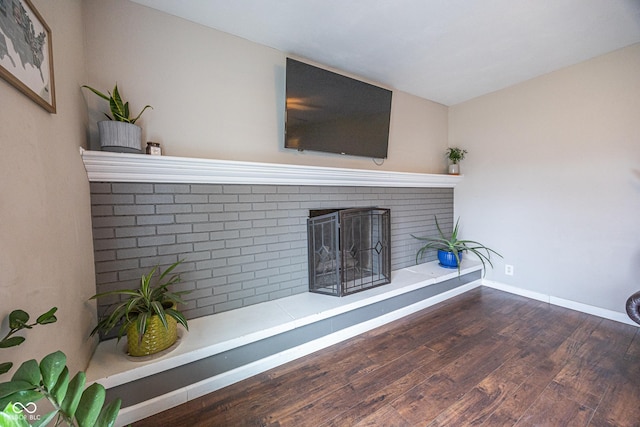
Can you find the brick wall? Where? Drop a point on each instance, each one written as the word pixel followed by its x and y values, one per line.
pixel 241 244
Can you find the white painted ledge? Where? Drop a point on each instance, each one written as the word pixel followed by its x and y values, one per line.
pixel 217 333
pixel 103 166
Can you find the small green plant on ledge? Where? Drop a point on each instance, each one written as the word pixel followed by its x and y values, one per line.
pixel 455 154
pixel 73 405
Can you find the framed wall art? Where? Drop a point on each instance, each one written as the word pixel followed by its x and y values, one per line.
pixel 26 54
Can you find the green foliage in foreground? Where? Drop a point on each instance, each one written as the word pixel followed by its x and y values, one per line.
pixel 19 320
pixel 73 404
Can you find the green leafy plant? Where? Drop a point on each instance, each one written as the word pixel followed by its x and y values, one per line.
pixel 119 109
pixel 72 403
pixel 455 154
pixel 19 320
pixel 142 303
pixel 451 243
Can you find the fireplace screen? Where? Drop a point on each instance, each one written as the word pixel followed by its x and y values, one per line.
pixel 349 250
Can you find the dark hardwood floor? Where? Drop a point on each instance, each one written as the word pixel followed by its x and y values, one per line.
pixel 483 358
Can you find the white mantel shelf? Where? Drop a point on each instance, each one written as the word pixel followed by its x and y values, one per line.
pixel 105 166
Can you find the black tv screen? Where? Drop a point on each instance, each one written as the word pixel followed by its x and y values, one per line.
pixel 333 113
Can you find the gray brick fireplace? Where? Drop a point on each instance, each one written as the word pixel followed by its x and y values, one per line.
pixel 242 244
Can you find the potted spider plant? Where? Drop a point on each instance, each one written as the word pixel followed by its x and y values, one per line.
pixel 119 133
pixel 450 248
pixel 148 315
pixel 455 155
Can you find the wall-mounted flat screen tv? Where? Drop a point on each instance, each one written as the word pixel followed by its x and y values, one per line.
pixel 333 113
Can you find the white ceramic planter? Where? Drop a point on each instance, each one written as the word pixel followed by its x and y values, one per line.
pixel 454 169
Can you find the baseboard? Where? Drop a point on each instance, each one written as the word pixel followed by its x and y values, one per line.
pixel 561 302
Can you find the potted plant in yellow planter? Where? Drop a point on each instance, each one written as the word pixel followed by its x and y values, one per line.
pixel 450 248
pixel 119 133
pixel 147 315
pixel 455 155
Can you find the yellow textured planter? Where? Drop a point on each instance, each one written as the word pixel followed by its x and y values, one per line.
pixel 155 339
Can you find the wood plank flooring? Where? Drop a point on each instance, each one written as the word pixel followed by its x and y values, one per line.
pixel 483 358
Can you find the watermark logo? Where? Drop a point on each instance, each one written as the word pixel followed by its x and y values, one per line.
pixel 29 408
pixel 26 412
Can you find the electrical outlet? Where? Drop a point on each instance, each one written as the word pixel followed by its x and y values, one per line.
pixel 508 270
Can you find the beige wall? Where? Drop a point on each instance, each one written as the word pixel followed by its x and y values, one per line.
pixel 214 96
pixel 46 255
pixel 220 96
pixel 552 179
pixel 553 163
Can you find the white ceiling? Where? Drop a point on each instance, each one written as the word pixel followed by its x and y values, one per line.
pixel 448 51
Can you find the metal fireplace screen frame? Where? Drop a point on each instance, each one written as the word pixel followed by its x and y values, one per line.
pixel 349 250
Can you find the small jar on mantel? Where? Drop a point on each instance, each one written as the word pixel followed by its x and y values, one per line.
pixel 153 149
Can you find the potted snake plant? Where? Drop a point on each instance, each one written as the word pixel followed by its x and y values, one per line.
pixel 119 133
pixel 148 315
pixel 450 248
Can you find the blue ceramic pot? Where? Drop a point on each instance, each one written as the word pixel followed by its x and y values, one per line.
pixel 448 259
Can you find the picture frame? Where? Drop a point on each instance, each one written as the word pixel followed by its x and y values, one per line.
pixel 26 52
